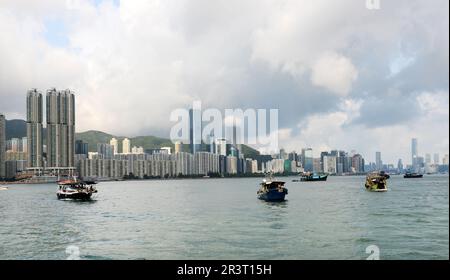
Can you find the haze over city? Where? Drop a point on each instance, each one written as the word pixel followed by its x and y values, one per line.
pixel 342 76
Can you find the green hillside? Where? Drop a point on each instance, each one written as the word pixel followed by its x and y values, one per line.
pixel 151 142
pixel 17 129
pixel 249 152
pixel 93 137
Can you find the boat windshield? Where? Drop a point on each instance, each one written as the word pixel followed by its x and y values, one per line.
pixel 274 185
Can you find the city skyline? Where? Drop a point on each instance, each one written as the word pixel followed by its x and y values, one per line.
pixel 34 96
pixel 358 88
pixel 225 157
pixel 60 111
pixel 160 163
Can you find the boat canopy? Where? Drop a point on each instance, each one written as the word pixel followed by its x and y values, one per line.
pixel 76 183
pixel 68 182
pixel 274 183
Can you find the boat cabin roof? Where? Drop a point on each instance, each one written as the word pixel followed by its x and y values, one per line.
pixel 274 183
pixel 76 183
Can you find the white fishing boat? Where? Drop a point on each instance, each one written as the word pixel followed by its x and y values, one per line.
pixel 76 189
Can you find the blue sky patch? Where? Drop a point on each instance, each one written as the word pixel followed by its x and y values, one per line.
pixel 56 33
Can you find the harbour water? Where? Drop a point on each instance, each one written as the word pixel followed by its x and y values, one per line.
pixel 223 219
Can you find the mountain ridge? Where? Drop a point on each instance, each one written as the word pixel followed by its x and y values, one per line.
pixel 17 129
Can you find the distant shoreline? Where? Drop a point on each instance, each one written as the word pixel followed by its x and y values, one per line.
pixel 4 183
pixel 197 177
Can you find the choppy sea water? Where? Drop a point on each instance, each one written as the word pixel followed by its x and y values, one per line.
pixel 223 219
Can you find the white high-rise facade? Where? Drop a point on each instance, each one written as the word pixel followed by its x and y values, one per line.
pixel 378 161
pixel 178 147
pixel 115 144
pixel 60 128
pixel 168 150
pixel 126 146
pixel 24 144
pixel 206 163
pixel 445 160
pixel 221 146
pixel 34 129
pixel 2 145
pixel 436 158
pixel 137 150
pixel 414 153
pixel 329 164
pixel 195 128
pixel 428 159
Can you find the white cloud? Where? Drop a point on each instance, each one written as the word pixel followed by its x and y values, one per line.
pixel 131 64
pixel 335 73
pixel 335 130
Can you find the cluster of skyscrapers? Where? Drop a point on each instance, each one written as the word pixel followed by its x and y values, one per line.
pixel 332 162
pixel 105 150
pixel 419 164
pixel 17 145
pixel 37 153
pixel 161 165
pixel 216 157
pixel 162 162
pixel 53 150
pixel 426 164
pixel 220 157
pixel 57 154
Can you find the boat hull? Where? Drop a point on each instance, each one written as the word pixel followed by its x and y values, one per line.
pixel 376 188
pixel 76 196
pixel 273 196
pixel 413 176
pixel 379 190
pixel 314 179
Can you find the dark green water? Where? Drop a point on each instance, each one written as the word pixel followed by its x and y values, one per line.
pixel 222 219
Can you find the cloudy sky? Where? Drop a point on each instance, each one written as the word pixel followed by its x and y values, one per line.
pixel 343 76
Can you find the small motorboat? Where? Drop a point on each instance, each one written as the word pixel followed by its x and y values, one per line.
pixel 377 182
pixel 313 177
pixel 410 175
pixel 3 188
pixel 271 190
pixel 75 189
